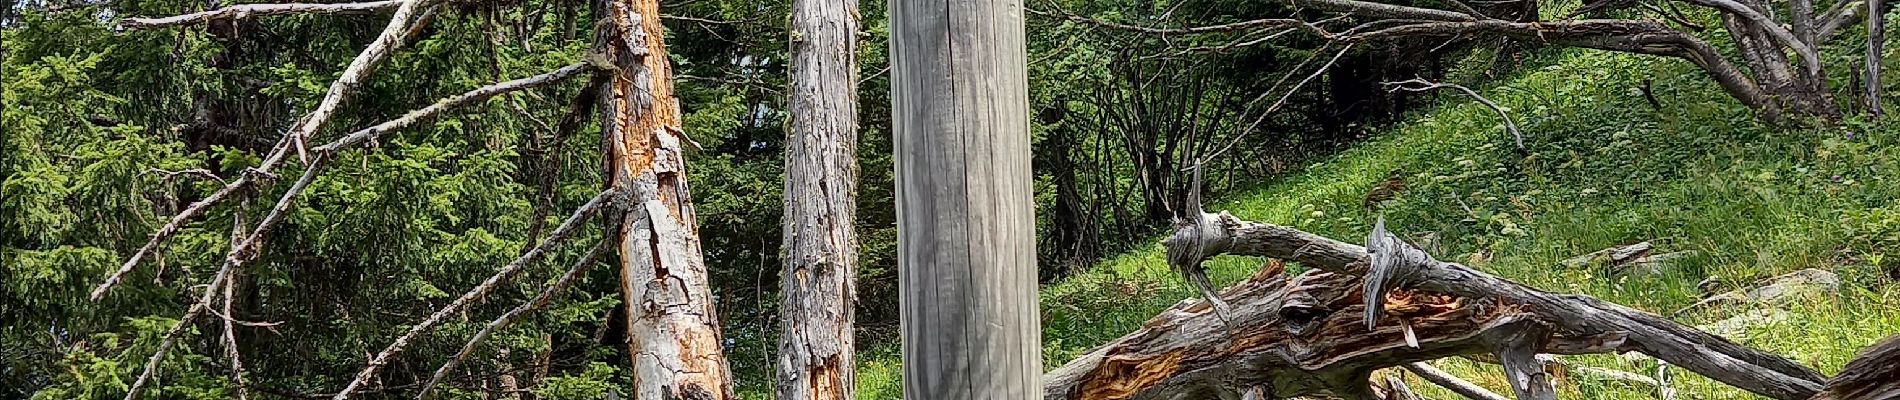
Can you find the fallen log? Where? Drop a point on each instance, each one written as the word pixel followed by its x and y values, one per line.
pixel 1321 333
pixel 1294 337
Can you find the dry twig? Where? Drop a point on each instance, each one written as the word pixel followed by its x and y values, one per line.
pixel 507 272
pixel 540 300
pixel 1420 85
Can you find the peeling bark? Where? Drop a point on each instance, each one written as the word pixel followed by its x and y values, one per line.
pixel 1304 337
pixel 821 177
pixel 1322 332
pixel 673 330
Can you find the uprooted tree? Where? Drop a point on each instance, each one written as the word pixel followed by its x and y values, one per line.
pixel 674 339
pixel 1389 304
pixel 1781 75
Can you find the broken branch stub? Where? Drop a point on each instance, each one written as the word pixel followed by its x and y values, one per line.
pixel 1517 350
pixel 1388 256
pixel 1186 248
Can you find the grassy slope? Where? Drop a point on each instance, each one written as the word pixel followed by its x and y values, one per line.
pixel 1607 169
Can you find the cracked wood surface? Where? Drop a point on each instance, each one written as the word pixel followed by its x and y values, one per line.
pixel 817 287
pixel 1310 335
pixel 673 330
pixel 966 225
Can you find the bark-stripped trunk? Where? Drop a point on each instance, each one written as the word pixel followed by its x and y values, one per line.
pixel 821 176
pixel 672 329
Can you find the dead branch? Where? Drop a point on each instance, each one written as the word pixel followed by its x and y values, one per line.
pixel 177 222
pixel 1451 382
pixel 1641 37
pixel 507 272
pixel 1382 10
pixel 360 67
pixel 540 300
pixel 1842 14
pixel 1517 350
pixel 466 98
pixel 1180 353
pixel 1303 336
pixel 200 172
pixel 278 154
pixel 1264 23
pixel 178 330
pixel 238 12
pixel 700 20
pixel 1420 85
pixel 239 254
pixel 1810 58
pixel 1262 117
pixel 1460 6
pixel 230 332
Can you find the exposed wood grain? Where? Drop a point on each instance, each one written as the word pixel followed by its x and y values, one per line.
pixel 674 337
pixel 821 178
pixel 1301 336
pixel 1403 266
pixel 967 268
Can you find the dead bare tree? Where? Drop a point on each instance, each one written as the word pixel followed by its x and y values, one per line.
pixel 676 343
pixel 818 280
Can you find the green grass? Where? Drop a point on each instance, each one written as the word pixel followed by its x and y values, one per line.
pixel 1606 168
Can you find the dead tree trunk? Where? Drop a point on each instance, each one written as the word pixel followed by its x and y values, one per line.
pixel 821 176
pixel 1323 332
pixel 672 327
pixel 966 239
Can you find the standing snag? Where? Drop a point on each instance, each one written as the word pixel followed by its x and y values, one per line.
pixel 676 345
pixel 817 285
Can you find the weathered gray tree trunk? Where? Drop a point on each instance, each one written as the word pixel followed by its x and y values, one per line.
pixel 821 178
pixel 672 327
pixel 966 229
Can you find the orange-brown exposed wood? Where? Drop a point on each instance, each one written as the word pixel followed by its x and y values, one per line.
pixel 1324 331
pixel 672 327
